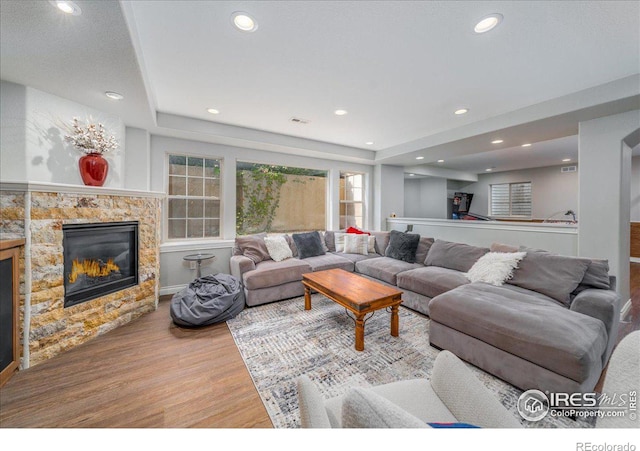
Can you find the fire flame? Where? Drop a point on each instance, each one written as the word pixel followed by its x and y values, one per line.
pixel 92 268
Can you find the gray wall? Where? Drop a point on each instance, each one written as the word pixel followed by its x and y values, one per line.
pixel 553 192
pixel 635 189
pixel 425 198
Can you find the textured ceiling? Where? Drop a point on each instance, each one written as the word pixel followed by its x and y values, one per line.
pixel 400 69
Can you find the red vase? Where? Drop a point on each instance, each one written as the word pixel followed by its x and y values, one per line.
pixel 93 169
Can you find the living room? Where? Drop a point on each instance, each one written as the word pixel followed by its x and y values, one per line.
pixel 318 95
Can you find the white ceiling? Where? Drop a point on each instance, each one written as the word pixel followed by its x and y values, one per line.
pixel 400 69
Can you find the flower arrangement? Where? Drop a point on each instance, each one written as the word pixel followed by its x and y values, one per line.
pixel 90 138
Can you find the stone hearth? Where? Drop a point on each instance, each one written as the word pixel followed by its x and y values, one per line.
pixel 37 212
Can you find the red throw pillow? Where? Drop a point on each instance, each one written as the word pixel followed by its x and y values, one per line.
pixel 356 230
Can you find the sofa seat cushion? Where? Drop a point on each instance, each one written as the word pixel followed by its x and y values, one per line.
pixel 548 335
pixel 270 273
pixel 329 261
pixel 357 257
pixel 384 268
pixel 431 280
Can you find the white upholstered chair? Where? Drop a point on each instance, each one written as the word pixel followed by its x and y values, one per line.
pixel 452 395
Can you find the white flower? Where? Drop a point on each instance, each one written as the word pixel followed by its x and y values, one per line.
pixel 90 138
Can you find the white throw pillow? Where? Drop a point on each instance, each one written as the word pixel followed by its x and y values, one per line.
pixel 356 244
pixel 278 248
pixel 495 268
pixel 339 239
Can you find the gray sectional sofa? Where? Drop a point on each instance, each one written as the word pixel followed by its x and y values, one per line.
pixel 551 326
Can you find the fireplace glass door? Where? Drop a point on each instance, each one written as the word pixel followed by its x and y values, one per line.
pixel 99 259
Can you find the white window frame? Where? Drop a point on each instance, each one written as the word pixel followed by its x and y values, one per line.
pixel 362 202
pixel 510 185
pixel 165 234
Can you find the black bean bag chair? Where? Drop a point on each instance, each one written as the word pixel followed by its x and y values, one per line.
pixel 208 300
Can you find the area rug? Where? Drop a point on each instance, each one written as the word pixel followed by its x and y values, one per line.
pixel 281 341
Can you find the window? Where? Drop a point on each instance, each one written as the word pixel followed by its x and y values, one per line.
pixel 511 199
pixel 279 199
pixel 193 205
pixel 351 200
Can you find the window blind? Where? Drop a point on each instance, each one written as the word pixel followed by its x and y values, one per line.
pixel 511 199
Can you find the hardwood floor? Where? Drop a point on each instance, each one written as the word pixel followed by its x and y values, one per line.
pixel 152 374
pixel 146 374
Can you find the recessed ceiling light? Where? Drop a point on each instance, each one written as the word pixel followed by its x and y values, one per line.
pixel 488 23
pixel 67 7
pixel 419 158
pixel 489 169
pixel 213 111
pixel 461 111
pixel 440 161
pixel 566 160
pixel 369 143
pixel 411 175
pixel 114 95
pixel 340 112
pixel 244 22
pixel 497 141
pixel 526 145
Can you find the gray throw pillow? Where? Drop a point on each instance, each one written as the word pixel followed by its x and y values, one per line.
pixel 402 246
pixel 309 244
pixel 457 256
pixel 423 249
pixel 253 247
pixel 556 276
pixel 596 275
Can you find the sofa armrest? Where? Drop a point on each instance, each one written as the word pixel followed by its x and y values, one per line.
pixel 466 397
pixel 599 304
pixel 239 265
pixel 602 305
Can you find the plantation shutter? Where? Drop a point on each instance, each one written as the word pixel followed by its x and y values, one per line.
pixel 511 199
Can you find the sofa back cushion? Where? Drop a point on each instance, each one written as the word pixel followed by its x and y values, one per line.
pixel 458 256
pixel 557 276
pixel 424 245
pixel 309 244
pixel 382 241
pixel 402 246
pixel 253 247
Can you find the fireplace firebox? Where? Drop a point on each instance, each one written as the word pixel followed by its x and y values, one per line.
pixel 99 259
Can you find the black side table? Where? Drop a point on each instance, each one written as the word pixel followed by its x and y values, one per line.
pixel 198 258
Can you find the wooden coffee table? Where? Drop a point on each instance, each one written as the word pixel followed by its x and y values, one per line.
pixel 357 294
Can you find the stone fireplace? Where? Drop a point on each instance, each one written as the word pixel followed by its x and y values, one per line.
pixel 62 308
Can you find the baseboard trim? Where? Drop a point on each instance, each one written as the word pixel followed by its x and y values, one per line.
pixel 626 308
pixel 172 289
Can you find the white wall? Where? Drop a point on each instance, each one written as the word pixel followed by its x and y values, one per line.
pixel 553 192
pixel 13 117
pixel 425 198
pixel 137 171
pixel 388 190
pixel 635 189
pixel 44 155
pixel 605 191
